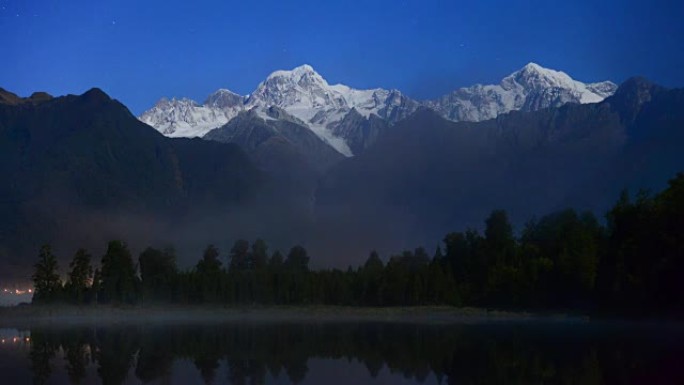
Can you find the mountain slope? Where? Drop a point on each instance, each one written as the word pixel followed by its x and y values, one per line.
pixel 82 169
pixel 261 132
pixel 427 176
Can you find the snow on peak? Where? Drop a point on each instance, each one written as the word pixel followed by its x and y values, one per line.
pixel 305 95
pixel 186 118
pixel 531 88
pixel 534 76
pixel 302 89
pixel 296 72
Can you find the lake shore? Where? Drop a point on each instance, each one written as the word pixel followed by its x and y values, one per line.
pixel 47 315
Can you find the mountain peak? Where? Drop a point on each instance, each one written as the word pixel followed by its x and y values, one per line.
pixel 632 94
pixel 7 97
pixel 534 76
pixel 224 98
pixel 96 95
pixel 223 91
pixel 297 72
pixel 38 97
pixel 533 67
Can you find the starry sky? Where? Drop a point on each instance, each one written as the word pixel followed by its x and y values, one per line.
pixel 138 51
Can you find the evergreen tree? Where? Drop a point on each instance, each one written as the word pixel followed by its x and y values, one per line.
pixel 239 256
pixel 158 273
pixel 259 255
pixel 46 282
pixel 210 262
pixel 80 277
pixel 373 263
pixel 504 276
pixel 297 260
pixel 119 279
pixel 371 277
pixel 276 262
pixel 209 275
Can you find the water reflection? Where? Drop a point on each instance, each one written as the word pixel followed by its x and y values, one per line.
pixel 458 354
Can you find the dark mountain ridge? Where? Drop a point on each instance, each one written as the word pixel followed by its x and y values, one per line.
pixel 80 169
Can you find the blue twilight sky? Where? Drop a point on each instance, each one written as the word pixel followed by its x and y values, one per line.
pixel 140 50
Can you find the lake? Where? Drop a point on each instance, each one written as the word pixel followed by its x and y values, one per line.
pixel 525 352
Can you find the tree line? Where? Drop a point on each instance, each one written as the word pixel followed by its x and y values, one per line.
pixel 563 260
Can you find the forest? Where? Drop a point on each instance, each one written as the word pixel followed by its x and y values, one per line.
pixel 633 262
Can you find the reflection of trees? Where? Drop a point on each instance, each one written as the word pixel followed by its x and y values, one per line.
pixel 154 359
pixel 43 349
pixel 76 346
pixel 116 348
pixel 454 354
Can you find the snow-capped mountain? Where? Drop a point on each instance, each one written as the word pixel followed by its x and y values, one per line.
pixel 333 111
pixel 531 88
pixel 185 118
pixel 306 95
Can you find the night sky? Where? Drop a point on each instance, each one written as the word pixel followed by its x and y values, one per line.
pixel 138 51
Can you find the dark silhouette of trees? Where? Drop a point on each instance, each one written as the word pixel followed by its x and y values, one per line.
pixel 46 283
pixel 239 256
pixel 158 273
pixel 562 255
pixel 43 350
pixel 563 260
pixel 118 275
pixel 77 287
pixel 258 258
pixel 207 282
pixel 297 260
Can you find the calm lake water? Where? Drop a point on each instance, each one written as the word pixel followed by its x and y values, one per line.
pixel 346 353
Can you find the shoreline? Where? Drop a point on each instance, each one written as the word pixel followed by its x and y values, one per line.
pixel 58 315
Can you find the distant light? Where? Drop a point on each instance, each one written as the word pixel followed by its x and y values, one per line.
pixel 3 340
pixel 30 291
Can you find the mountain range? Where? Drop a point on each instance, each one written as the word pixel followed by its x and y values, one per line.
pixel 429 175
pixel 81 169
pixel 349 120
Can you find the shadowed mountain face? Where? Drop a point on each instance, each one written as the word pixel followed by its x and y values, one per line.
pixel 81 169
pixel 427 176
pixel 274 139
pixel 285 148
